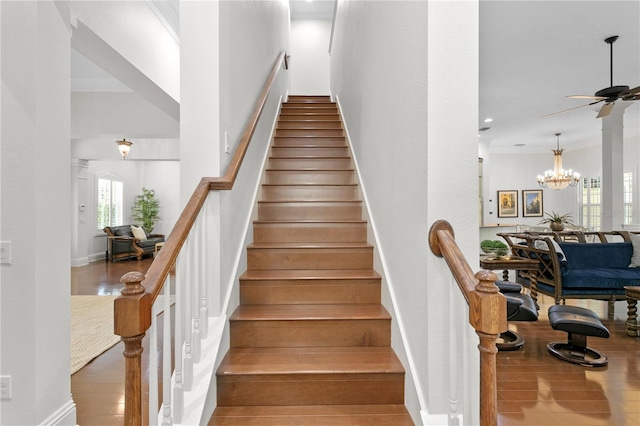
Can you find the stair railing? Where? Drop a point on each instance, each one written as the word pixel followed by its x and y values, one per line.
pixel 134 311
pixel 487 312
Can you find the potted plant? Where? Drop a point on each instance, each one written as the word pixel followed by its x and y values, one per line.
pixel 494 248
pixel 556 221
pixel 146 210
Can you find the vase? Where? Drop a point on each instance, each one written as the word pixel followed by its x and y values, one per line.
pixel 555 226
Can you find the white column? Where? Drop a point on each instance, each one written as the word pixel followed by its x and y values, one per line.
pixel 199 94
pixel 612 170
pixel 79 248
pixel 200 116
pixel 35 199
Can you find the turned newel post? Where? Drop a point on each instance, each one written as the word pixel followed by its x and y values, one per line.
pixel 132 317
pixel 489 322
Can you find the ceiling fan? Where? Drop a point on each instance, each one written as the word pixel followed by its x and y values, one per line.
pixel 608 95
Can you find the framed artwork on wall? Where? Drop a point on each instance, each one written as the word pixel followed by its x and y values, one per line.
pixel 507 203
pixel 532 203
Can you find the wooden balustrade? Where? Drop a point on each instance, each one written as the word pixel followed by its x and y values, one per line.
pixel 132 309
pixel 487 312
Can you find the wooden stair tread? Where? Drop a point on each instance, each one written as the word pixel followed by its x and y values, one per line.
pixel 327 171
pixel 306 145
pixel 347 311
pixel 310 360
pixel 310 346
pixel 310 274
pixel 313 202
pixel 307 415
pixel 308 245
pixel 307 157
pixel 310 221
pixel 307 185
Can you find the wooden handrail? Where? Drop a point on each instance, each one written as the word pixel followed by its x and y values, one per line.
pixel 487 312
pixel 132 309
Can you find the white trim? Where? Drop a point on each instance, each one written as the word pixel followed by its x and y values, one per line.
pixel 80 261
pixel 397 315
pixel 436 420
pixel 162 12
pixel 65 415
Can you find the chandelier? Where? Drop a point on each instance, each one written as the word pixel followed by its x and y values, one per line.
pixel 124 146
pixel 558 178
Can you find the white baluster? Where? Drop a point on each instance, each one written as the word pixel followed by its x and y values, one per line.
pixel 195 285
pixel 153 367
pixel 166 354
pixel 178 393
pixel 204 316
pixel 188 360
pixel 453 334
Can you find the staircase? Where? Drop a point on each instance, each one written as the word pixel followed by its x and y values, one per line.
pixel 310 341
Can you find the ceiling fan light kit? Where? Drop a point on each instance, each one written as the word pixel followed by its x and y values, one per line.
pixel 558 178
pixel 608 95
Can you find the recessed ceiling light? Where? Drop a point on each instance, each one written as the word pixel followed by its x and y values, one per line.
pixel 484 129
pixel 488 120
pixel 519 144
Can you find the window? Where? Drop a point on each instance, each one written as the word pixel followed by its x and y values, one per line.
pixel 628 197
pixel 110 205
pixel 589 203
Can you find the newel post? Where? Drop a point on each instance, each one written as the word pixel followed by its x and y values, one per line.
pixel 132 318
pixel 489 322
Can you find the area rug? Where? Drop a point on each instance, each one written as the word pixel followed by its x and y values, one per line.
pixel 91 328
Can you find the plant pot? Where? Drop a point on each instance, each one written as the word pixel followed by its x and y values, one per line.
pixel 556 226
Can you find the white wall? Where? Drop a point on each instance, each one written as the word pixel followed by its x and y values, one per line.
pixel 35 200
pixel 389 62
pixel 119 114
pixel 309 64
pixel 246 59
pixel 519 172
pixel 128 38
pixel 161 176
pixel 133 30
pixel 227 52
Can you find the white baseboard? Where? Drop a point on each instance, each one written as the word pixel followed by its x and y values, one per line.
pixel 80 261
pixel 438 419
pixel 63 416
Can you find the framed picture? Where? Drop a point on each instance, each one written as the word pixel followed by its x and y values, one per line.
pixel 507 203
pixel 532 203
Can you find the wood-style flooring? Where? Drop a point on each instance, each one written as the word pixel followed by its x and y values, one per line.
pixel 98 388
pixel 534 388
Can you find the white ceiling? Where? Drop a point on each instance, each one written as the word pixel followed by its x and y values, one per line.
pixel 532 55
pixel 535 53
pixel 311 9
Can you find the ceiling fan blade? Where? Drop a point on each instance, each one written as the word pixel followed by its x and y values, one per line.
pixel 571 109
pixel 606 109
pixel 600 98
pixel 630 92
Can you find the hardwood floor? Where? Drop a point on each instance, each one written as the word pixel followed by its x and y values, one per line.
pixel 534 388
pixel 98 388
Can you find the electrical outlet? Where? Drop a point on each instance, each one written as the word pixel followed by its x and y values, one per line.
pixel 5 387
